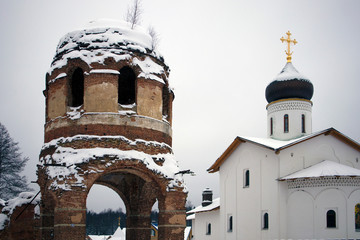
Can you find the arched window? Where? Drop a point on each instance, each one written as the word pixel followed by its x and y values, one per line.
pixel 271 127
pixel 303 123
pixel 76 87
pixel 266 221
pixel 331 219
pixel 247 178
pixel 286 123
pixel 126 88
pixel 357 217
pixel 208 229
pixel 230 224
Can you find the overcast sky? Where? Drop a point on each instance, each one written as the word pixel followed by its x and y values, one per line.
pixel 222 54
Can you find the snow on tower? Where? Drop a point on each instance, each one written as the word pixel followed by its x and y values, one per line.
pixel 108 121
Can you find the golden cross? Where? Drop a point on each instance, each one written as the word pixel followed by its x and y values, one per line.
pixel 119 221
pixel 289 41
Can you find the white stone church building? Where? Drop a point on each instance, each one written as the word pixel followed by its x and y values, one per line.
pixel 294 184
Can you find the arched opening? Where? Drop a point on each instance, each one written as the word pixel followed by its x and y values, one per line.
pixel 230 223
pixel 247 178
pixel 266 221
pixel 303 123
pixel 286 123
pixel 138 192
pixel 331 219
pixel 126 86
pixel 104 214
pixel 208 229
pixel 357 217
pixel 76 88
pixel 271 127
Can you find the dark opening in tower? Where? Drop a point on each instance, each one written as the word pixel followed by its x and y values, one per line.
pixel 126 90
pixel 76 88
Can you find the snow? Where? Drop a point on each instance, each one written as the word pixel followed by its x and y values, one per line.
pixel 10 205
pixel 104 39
pixel 289 72
pixel 119 234
pixel 110 71
pixel 325 168
pixel 275 145
pixel 61 75
pixel 187 232
pixel 215 204
pixel 69 158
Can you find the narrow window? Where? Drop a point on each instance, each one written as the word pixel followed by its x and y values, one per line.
pixel 271 126
pixel 246 178
pixel 266 221
pixel 286 123
pixel 303 123
pixel 126 88
pixel 76 88
pixel 152 232
pixel 230 224
pixel 357 217
pixel 208 229
pixel 331 219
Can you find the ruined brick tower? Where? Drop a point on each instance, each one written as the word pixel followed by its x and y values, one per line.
pixel 108 121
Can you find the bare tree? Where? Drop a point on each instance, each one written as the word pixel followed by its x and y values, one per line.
pixel 154 38
pixel 134 12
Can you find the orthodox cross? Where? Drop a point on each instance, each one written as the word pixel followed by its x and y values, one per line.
pixel 289 41
pixel 119 220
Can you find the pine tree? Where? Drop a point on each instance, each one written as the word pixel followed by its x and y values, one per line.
pixel 11 165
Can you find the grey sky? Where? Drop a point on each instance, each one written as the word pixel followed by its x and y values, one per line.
pixel 222 55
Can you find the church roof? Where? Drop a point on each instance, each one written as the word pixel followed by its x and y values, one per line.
pixel 279 145
pixel 289 83
pixel 325 168
pixel 211 207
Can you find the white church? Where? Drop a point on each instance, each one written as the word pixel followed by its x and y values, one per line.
pixel 294 184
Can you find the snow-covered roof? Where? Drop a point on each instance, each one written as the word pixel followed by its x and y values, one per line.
pixel 213 206
pixel 325 168
pixel 289 72
pixel 66 160
pixel 187 232
pixel 119 234
pixel 105 38
pixel 23 199
pixel 278 145
pixel 190 217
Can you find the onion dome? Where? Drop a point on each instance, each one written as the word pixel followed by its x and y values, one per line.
pixel 289 83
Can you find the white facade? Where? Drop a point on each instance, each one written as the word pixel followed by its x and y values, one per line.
pixel 205 221
pixel 296 208
pixel 296 112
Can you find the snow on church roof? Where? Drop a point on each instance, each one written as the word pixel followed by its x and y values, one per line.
pixel 325 168
pixel 213 206
pixel 279 145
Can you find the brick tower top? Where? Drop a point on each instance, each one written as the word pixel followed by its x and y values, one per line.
pixel 106 79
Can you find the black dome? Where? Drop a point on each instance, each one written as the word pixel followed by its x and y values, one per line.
pixel 289 84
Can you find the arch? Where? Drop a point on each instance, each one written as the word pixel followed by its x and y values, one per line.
pixel 303 130
pixel 76 88
pixel 208 229
pixel 357 217
pixel 286 123
pixel 247 178
pixel 266 221
pixel 126 86
pixel 300 215
pixel 331 219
